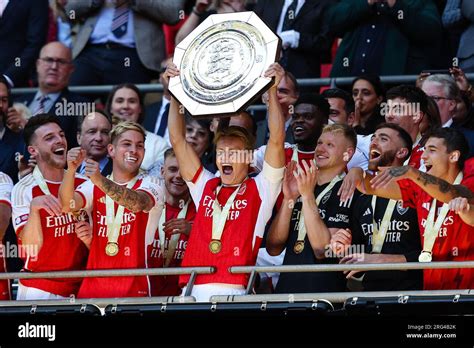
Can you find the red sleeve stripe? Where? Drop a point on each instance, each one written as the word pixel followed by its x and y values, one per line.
pixel 198 173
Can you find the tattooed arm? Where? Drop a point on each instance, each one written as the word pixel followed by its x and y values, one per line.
pixel 434 186
pixel 134 201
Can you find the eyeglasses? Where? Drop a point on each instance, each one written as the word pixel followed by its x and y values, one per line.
pixel 437 99
pixel 50 61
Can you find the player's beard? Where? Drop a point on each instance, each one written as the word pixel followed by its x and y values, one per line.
pixel 51 161
pixel 384 160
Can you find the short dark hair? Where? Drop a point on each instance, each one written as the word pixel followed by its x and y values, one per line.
pixel 317 100
pixel 349 104
pixel 110 98
pixel 411 94
pixel 374 80
pixel 454 141
pixel 402 134
pixel 169 153
pixel 35 122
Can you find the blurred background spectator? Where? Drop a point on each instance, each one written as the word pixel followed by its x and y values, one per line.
pixel 305 36
pixel 392 37
pixel 23 30
pixel 120 41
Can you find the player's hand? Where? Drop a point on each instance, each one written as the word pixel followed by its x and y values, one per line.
pixel 92 169
pixel 47 202
pixel 421 79
pixel 460 77
pixel 354 177
pixel 341 241
pixel 360 258
pixel 290 186
pixel 388 174
pixel 202 5
pixel 15 121
pixel 75 156
pixel 357 107
pixel 459 205
pixel 306 178
pixel 84 232
pixel 175 226
pixel 171 71
pixel 24 167
pixel 275 70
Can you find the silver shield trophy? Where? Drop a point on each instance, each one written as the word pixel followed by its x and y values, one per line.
pixel 222 62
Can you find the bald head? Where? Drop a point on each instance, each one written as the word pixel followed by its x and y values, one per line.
pixel 54 67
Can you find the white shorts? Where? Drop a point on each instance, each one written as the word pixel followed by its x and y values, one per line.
pixel 203 292
pixel 265 259
pixel 27 293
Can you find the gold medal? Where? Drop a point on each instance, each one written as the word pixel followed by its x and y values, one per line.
pixel 111 249
pixel 215 246
pixel 299 246
pixel 425 256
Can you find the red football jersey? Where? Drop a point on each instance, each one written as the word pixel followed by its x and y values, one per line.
pixel 136 233
pixel 415 157
pixel 168 285
pixel 62 250
pixel 244 227
pixel 6 187
pixel 455 240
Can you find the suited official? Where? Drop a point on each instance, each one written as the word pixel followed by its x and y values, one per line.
pixel 23 30
pixel 304 35
pixel 131 53
pixel 93 136
pixel 54 68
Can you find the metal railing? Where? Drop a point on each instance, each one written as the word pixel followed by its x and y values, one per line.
pixel 126 272
pixel 319 82
pixel 401 266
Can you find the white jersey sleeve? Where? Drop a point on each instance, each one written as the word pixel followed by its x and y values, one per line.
pixel 6 187
pixel 268 183
pixel 154 187
pixel 22 196
pixel 361 155
pixel 196 186
pixel 86 190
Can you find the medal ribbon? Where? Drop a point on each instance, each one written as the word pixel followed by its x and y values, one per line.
pixel 219 217
pixel 40 181
pixel 301 226
pixel 114 221
pixel 378 236
pixel 173 240
pixel 431 227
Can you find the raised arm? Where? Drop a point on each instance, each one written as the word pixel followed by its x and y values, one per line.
pixel 134 201
pixel 275 151
pixel 461 206
pixel 435 187
pixel 188 160
pixel 356 178
pixel 71 201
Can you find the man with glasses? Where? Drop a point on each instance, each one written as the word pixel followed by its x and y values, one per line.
pixel 444 90
pixel 54 68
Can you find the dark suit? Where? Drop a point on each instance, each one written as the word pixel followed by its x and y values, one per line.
pixel 107 170
pixel 66 102
pixel 263 134
pixel 304 61
pixel 151 115
pixel 11 145
pixel 469 135
pixel 23 30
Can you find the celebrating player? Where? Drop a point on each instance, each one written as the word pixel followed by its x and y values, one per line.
pixel 171 237
pixel 311 213
pixel 125 208
pixel 445 237
pixel 49 237
pixel 387 231
pixel 6 187
pixel 233 209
